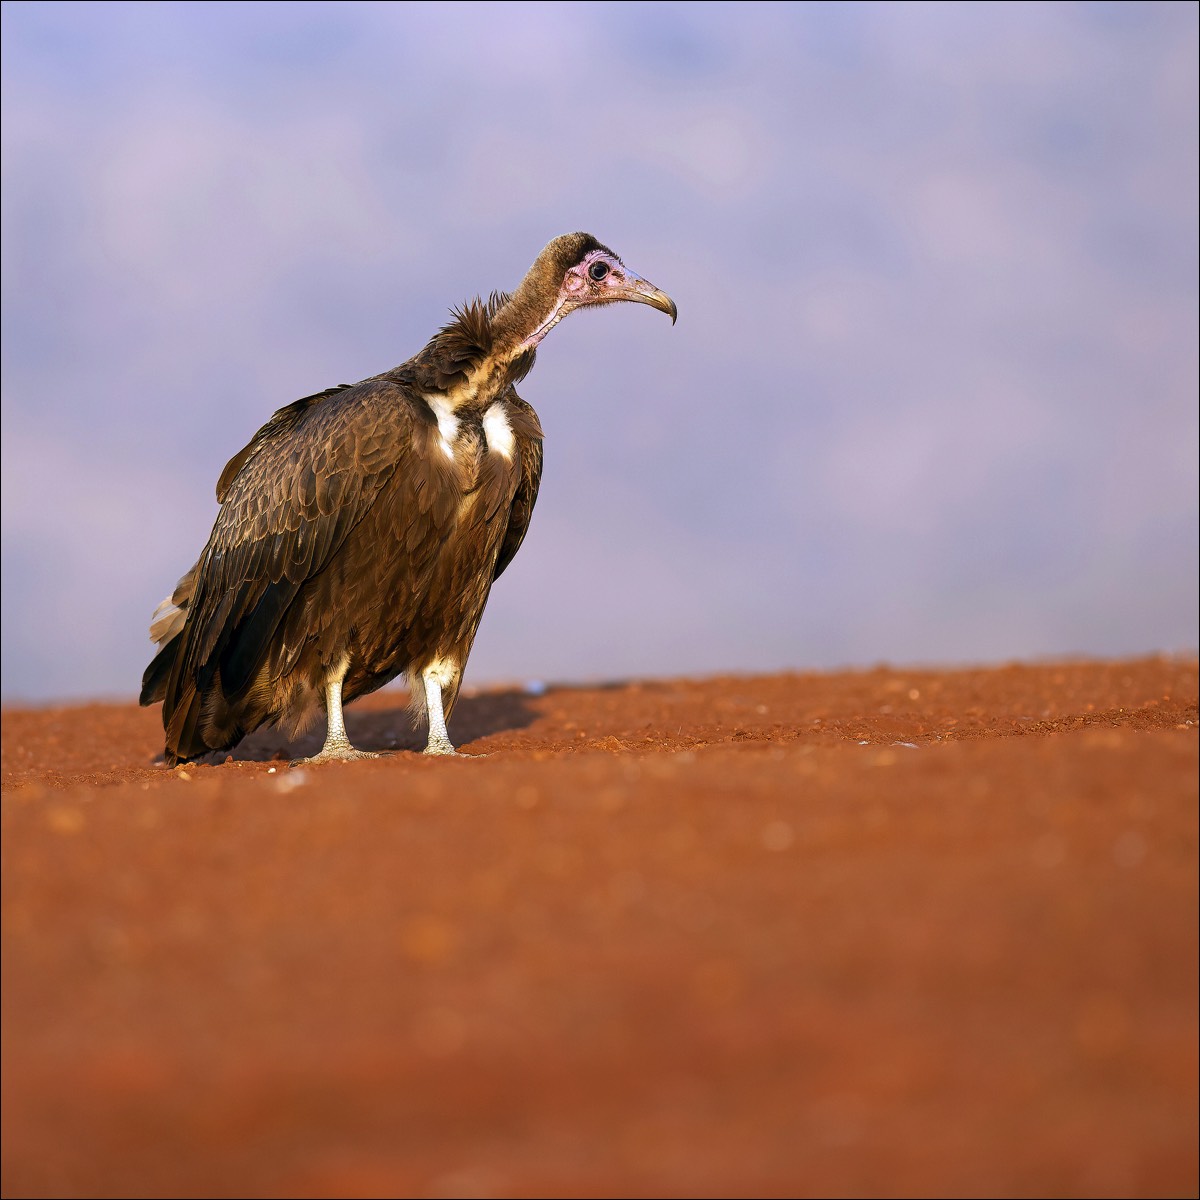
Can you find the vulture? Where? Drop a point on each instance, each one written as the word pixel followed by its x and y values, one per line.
pixel 361 529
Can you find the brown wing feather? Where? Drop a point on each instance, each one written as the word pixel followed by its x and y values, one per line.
pixel 283 421
pixel 289 501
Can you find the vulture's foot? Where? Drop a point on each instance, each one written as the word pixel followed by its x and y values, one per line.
pixel 446 750
pixel 335 754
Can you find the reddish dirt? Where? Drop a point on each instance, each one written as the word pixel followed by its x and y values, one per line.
pixel 880 933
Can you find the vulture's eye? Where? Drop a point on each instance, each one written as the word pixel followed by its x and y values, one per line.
pixel 598 270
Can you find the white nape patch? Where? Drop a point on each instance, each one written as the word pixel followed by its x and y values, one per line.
pixel 498 431
pixel 446 420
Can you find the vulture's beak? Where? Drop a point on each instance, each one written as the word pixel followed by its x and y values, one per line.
pixel 642 291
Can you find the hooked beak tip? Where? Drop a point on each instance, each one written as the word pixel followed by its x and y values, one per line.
pixel 658 299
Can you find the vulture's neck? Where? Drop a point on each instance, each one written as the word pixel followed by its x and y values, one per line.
pixel 489 346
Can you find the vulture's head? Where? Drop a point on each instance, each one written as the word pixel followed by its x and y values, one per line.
pixel 576 271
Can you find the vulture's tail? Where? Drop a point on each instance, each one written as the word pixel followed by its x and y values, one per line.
pixel 213 708
pixel 183 711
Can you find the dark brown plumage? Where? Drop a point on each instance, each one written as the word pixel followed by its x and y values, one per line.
pixel 361 529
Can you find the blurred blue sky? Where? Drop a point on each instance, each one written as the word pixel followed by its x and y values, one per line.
pixel 932 393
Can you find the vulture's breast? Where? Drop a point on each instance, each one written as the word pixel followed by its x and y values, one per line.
pixel 476 446
pixel 472 453
pixel 470 463
pixel 432 546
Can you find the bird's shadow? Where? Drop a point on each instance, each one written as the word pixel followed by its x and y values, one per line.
pixel 392 728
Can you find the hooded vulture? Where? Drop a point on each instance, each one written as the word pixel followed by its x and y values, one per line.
pixel 361 529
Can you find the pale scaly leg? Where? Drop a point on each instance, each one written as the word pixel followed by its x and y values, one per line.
pixel 337 746
pixel 439 739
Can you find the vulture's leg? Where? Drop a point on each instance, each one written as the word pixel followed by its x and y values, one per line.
pixel 439 739
pixel 337 746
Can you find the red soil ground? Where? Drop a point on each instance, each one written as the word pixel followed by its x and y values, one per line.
pixel 881 933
